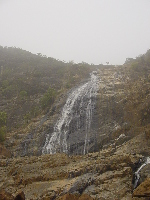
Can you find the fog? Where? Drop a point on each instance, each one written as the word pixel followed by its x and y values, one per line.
pixel 93 31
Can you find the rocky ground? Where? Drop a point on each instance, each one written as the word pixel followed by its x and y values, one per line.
pixel 106 174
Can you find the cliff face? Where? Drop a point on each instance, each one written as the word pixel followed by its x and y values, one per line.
pixel 90 114
pixel 107 118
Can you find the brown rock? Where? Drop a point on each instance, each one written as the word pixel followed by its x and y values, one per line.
pixel 20 196
pixel 69 197
pixel 5 195
pixel 147 133
pixel 143 190
pixel 4 152
pixel 85 197
pixel 75 197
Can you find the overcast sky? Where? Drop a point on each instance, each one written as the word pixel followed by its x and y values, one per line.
pixel 93 31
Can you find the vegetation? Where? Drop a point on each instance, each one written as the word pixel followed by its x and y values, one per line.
pixel 29 83
pixel 23 94
pixel 3 118
pixel 48 98
pixel 138 90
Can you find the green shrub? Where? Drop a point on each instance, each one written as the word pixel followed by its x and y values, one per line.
pixel 2 133
pixel 48 98
pixel 34 111
pixel 3 118
pixel 23 94
pixel 27 117
pixel 5 84
pixel 9 91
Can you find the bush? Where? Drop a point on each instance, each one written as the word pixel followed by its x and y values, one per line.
pixel 27 117
pixel 5 84
pixel 3 118
pixel 2 133
pixel 48 98
pixel 23 94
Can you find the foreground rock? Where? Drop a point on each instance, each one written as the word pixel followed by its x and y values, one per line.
pixel 107 174
pixel 101 175
pixel 7 196
pixel 143 190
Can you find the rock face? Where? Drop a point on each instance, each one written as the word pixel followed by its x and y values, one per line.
pixel 108 152
pixel 72 130
pixel 92 117
pixel 95 175
pixel 87 119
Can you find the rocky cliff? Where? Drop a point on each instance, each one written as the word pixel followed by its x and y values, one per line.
pixel 97 132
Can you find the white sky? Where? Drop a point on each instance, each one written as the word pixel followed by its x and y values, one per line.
pixel 93 31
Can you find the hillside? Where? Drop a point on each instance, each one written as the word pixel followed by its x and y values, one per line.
pixel 110 106
pixel 25 78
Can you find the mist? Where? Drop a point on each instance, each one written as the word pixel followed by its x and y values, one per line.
pixel 95 32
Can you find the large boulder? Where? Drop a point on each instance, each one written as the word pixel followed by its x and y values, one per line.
pixel 143 190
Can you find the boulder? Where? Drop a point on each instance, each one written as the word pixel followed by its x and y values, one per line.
pixel 20 196
pixel 4 152
pixel 143 190
pixel 69 197
pixel 85 197
pixel 75 197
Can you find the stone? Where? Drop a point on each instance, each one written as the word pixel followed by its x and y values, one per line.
pixel 143 190
pixel 6 195
pixel 85 197
pixel 69 197
pixel 20 196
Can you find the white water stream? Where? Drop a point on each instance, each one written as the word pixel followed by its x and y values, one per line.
pixel 79 100
pixel 137 173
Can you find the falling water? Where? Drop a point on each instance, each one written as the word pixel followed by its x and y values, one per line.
pixel 78 109
pixel 137 173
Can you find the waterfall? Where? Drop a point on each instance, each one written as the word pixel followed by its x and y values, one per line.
pixel 76 115
pixel 137 173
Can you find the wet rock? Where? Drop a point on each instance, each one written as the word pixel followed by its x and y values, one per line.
pixel 141 171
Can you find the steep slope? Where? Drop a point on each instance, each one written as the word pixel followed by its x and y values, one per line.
pixel 25 79
pixel 120 127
